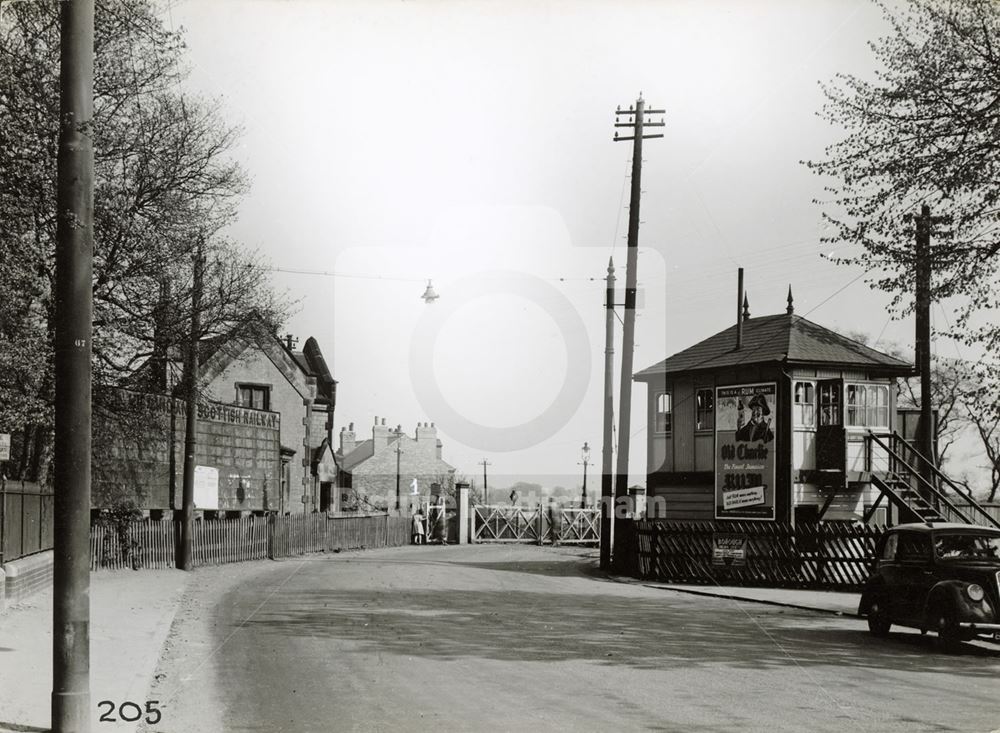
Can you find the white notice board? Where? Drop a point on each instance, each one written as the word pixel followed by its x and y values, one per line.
pixel 206 487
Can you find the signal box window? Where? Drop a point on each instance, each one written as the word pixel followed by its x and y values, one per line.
pixel 704 409
pixel 829 404
pixel 805 405
pixel 255 396
pixel 868 405
pixel 663 410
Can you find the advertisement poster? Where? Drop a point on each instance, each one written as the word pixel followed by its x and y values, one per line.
pixel 745 451
pixel 729 549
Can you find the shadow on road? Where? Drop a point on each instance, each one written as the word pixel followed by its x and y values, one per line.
pixel 603 626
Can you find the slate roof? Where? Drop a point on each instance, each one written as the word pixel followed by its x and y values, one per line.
pixel 361 453
pixel 784 338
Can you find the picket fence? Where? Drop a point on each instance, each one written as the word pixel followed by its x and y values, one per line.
pixel 151 544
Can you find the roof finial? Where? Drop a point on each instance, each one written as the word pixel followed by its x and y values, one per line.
pixel 791 308
pixel 746 307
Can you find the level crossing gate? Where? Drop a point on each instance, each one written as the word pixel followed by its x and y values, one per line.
pixel 497 523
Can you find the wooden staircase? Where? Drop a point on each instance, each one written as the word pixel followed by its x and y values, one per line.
pixel 895 466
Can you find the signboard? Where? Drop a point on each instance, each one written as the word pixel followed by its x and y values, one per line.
pixel 745 451
pixel 4 446
pixel 206 487
pixel 729 549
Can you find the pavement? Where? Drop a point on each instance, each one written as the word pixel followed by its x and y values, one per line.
pixel 131 613
pixel 131 617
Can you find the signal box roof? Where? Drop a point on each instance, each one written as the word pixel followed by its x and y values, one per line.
pixel 786 339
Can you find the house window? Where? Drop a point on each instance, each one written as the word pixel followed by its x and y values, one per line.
pixel 829 404
pixel 255 396
pixel 804 410
pixel 661 422
pixel 704 400
pixel 868 405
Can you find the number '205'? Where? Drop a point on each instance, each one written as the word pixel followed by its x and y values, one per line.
pixel 125 711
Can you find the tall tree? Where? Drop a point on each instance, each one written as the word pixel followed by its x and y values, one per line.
pixel 982 406
pixel 165 179
pixel 924 130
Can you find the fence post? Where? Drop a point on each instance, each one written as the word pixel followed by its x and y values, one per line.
pixel 653 532
pixel 540 524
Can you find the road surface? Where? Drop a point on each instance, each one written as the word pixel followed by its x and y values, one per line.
pixel 524 638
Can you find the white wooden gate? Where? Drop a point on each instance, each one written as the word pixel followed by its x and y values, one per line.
pixel 508 523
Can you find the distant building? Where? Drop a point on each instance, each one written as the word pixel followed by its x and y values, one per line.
pixel 368 468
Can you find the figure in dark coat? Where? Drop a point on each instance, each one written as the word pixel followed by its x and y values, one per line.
pixel 758 430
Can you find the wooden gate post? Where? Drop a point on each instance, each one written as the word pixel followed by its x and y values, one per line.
pixel 463 513
pixel 540 525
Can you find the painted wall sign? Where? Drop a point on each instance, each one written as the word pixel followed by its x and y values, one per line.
pixel 745 451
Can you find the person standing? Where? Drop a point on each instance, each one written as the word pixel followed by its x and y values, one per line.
pixel 419 537
pixel 555 520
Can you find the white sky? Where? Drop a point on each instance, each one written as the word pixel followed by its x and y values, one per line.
pixel 395 142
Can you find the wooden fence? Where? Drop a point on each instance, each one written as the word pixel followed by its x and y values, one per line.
pixel 147 544
pixel 829 555
pixel 26 520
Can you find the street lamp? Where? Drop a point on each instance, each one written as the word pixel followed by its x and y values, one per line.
pixel 584 459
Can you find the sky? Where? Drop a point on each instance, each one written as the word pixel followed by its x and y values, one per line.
pixel 469 144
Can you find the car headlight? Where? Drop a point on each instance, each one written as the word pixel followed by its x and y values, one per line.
pixel 975 592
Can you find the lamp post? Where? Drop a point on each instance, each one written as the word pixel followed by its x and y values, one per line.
pixel 584 459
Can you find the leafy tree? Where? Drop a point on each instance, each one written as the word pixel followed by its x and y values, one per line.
pixel 165 188
pixel 924 130
pixel 982 406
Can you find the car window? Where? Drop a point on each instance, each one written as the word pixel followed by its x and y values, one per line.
pixel 966 547
pixel 913 547
pixel 889 548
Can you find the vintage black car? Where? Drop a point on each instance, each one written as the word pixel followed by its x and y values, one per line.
pixel 936 577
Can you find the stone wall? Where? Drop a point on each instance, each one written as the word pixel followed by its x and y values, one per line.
pixel 146 462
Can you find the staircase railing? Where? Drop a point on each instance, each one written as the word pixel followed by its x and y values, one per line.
pixel 979 514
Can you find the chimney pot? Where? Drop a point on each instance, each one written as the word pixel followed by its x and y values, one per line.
pixel 383 421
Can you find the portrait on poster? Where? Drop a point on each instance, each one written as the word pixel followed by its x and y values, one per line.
pixel 745 451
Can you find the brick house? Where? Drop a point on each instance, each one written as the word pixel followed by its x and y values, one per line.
pixel 264 429
pixel 368 469
pixel 268 374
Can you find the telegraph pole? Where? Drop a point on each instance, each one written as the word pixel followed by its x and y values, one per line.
pixel 637 123
pixel 74 319
pixel 607 451
pixel 486 495
pixel 922 336
pixel 184 561
pixel 399 453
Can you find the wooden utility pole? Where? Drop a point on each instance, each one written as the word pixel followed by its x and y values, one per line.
pixel 486 495
pixel 399 453
pixel 184 559
pixel 607 450
pixel 922 336
pixel 637 123
pixel 74 319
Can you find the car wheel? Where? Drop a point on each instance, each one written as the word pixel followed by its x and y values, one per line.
pixel 878 618
pixel 949 638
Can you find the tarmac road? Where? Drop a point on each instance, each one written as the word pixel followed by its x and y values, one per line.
pixel 527 638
